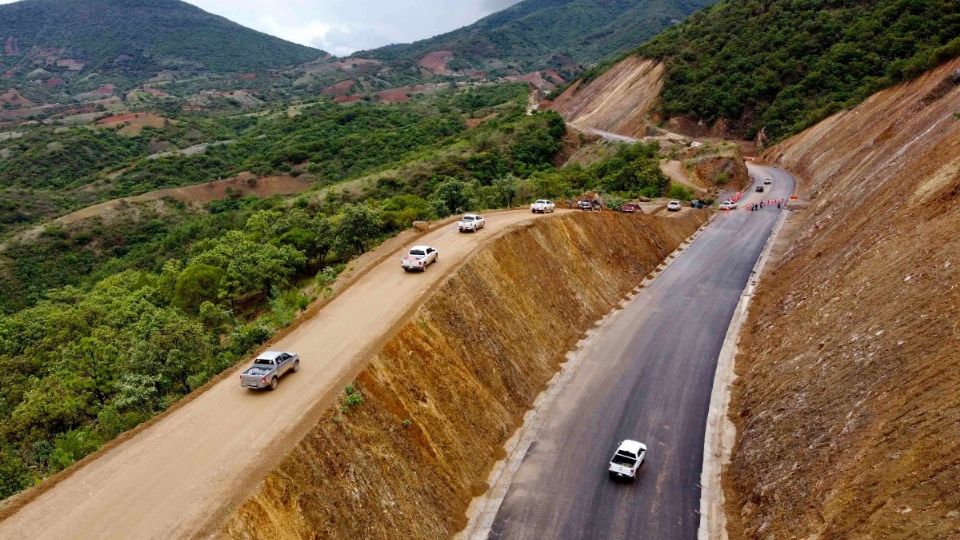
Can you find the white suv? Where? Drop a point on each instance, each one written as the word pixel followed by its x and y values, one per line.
pixel 674 206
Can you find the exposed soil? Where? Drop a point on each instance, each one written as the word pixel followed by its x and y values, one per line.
pixel 535 79
pixel 354 63
pixel 348 99
pixel 71 64
pixel 402 94
pixel 443 395
pixel 618 101
pixel 675 170
pixel 132 124
pixel 848 405
pixel 725 172
pixel 13 98
pixel 341 88
pixel 436 62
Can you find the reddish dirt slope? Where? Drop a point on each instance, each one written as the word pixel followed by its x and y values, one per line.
pixel 14 99
pixel 342 88
pixel 436 62
pixel 617 101
pixel 849 401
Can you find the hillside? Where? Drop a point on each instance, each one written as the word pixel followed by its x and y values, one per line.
pixel 778 66
pixel 441 397
pixel 553 36
pixel 82 44
pixel 848 401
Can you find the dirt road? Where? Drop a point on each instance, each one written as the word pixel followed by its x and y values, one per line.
pixel 646 374
pixel 178 478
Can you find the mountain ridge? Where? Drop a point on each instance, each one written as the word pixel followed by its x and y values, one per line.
pixel 126 42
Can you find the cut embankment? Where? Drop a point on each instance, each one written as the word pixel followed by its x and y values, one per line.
pixel 617 101
pixel 445 393
pixel 848 402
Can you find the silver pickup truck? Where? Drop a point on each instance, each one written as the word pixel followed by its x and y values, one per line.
pixel 268 368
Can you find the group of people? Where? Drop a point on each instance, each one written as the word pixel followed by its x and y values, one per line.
pixel 780 203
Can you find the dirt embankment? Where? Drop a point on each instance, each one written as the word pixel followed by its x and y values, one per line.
pixel 849 399
pixel 445 393
pixel 728 172
pixel 618 101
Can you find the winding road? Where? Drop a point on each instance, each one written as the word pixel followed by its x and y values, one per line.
pixel 646 375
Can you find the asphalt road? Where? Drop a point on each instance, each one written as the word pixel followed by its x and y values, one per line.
pixel 647 375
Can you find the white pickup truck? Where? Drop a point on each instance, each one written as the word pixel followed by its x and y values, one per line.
pixel 542 206
pixel 419 258
pixel 627 460
pixel 471 223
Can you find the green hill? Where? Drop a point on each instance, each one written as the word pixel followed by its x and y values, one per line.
pixel 131 40
pixel 783 65
pixel 536 34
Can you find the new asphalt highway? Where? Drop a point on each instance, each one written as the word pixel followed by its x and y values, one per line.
pixel 646 375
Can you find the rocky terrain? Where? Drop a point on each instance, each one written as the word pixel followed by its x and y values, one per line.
pixel 848 404
pixel 447 390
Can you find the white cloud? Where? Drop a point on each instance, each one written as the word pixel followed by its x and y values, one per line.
pixel 344 26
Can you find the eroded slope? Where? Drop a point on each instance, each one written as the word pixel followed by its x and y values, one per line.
pixel 444 394
pixel 617 101
pixel 849 402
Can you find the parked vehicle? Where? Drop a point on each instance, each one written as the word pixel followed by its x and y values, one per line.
pixel 471 223
pixel 542 206
pixel 728 205
pixel 626 460
pixel 585 205
pixel 267 370
pixel 674 206
pixel 767 181
pixel 631 208
pixel 759 188
pixel 419 258
pixel 697 203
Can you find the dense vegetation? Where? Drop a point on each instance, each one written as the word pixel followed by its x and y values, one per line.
pixel 535 34
pixel 782 65
pixel 128 41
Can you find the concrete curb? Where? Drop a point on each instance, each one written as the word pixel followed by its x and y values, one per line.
pixel 721 433
pixel 483 509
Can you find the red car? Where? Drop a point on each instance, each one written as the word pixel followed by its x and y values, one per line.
pixel 631 208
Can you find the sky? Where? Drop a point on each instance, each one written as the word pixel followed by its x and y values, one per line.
pixel 341 27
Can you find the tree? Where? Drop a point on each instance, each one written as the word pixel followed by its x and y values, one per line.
pixel 249 267
pixel 452 196
pixel 358 224
pixel 14 475
pixel 197 284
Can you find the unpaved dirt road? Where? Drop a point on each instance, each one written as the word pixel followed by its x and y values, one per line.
pixel 178 477
pixel 646 375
